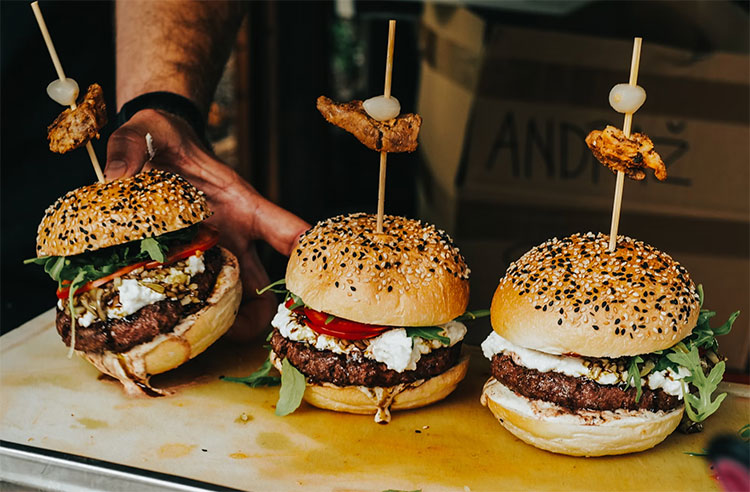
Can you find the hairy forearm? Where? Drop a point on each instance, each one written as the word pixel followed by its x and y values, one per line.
pixel 179 46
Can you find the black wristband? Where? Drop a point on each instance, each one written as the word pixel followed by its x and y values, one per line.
pixel 171 103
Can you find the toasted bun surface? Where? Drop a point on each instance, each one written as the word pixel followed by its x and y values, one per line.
pixel 190 337
pixel 591 433
pixel 573 296
pixel 374 401
pixel 412 275
pixel 107 214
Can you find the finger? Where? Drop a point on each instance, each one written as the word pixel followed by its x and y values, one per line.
pixel 126 152
pixel 278 227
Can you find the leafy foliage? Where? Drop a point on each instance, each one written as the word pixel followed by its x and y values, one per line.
pixel 292 389
pixel 428 333
pixel 100 263
pixel 687 353
pixel 701 406
pixel 258 378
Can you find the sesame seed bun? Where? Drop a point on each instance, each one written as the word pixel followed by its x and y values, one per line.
pixel 107 214
pixel 379 401
pixel 411 275
pixel 573 296
pixel 191 336
pixel 586 433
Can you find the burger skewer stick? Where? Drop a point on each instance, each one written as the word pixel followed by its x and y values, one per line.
pixel 626 125
pixel 61 76
pixel 387 94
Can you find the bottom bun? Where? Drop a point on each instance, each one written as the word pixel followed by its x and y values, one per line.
pixel 381 400
pixel 190 337
pixel 585 433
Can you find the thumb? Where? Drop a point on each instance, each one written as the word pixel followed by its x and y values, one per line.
pixel 278 227
pixel 126 152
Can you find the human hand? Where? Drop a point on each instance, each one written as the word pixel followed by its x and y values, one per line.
pixel 241 214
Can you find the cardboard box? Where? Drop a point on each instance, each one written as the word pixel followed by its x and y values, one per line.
pixel 505 113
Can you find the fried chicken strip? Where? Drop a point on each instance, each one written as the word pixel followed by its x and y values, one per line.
pixel 396 135
pixel 629 155
pixel 74 127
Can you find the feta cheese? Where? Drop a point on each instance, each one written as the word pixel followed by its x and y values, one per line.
pixel 667 380
pixel 394 348
pixel 195 265
pixel 133 296
pixel 86 319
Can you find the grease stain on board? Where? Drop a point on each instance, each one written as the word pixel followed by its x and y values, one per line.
pixel 176 450
pixel 89 423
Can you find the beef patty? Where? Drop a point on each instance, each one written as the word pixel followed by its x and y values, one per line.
pixel 121 334
pixel 353 369
pixel 575 393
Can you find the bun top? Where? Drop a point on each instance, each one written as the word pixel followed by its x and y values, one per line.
pixel 411 275
pixel 107 214
pixel 573 296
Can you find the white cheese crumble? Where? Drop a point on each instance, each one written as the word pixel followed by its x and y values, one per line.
pixel 667 380
pixel 133 296
pixel 394 348
pixel 86 319
pixel 195 265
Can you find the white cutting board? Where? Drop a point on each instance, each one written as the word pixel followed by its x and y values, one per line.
pixel 61 404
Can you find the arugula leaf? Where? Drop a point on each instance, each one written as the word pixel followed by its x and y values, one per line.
pixel 258 378
pixel 330 318
pixel 472 315
pixel 634 376
pixel 428 333
pixel 102 262
pixel 699 407
pixel 272 289
pixel 154 249
pixel 292 388
pixel 297 301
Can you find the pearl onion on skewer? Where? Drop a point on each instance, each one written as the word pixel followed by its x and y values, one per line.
pixel 382 108
pixel 626 98
pixel 63 91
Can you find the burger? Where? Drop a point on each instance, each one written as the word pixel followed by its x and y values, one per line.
pixel 142 284
pixel 370 321
pixel 596 352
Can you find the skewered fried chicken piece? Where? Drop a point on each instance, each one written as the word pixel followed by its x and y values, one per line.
pixel 74 127
pixel 396 135
pixel 629 155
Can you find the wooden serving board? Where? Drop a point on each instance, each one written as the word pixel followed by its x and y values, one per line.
pixel 199 432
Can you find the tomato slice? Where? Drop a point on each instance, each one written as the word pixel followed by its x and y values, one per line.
pixel 326 324
pixel 206 238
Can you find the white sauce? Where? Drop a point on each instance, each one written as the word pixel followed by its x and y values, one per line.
pixel 667 380
pixel 394 348
pixel 133 296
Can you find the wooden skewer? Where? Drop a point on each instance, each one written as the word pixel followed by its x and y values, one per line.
pixel 387 94
pixel 61 76
pixel 626 126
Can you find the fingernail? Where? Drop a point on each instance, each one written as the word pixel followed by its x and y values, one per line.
pixel 114 169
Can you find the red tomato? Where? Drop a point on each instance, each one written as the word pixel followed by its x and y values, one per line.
pixel 206 238
pixel 337 327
